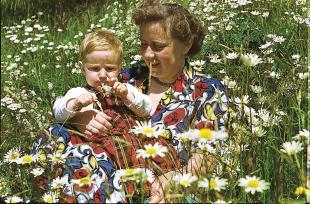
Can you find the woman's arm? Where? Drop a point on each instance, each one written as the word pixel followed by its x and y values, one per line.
pixel 91 122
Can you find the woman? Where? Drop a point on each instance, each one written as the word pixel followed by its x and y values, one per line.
pixel 181 96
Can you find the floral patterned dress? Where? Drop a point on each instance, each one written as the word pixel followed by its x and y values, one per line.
pixel 190 102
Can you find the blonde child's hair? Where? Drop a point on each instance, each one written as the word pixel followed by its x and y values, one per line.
pixel 101 40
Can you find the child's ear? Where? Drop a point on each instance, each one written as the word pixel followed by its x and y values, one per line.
pixel 82 67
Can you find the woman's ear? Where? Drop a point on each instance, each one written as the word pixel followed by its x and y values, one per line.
pixel 188 46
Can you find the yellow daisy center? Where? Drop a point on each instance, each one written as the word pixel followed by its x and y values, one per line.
pixel 205 133
pixel 151 150
pixel 184 182
pixel 14 155
pixel 148 131
pixel 27 159
pixel 49 200
pixel 213 184
pixel 129 172
pixel 253 184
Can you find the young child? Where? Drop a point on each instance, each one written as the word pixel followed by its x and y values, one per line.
pixel 101 60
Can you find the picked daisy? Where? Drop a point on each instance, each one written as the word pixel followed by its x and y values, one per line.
pixel 253 184
pixel 50 197
pixel 292 148
pixel 251 60
pixel 152 151
pixel 37 171
pixel 12 156
pixel 145 128
pixel 217 183
pixel 185 180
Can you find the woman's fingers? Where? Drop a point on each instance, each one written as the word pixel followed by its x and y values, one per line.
pixel 99 124
pixel 157 193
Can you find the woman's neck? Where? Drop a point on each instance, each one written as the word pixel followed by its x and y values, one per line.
pixel 173 78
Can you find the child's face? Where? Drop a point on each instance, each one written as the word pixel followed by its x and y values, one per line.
pixel 100 67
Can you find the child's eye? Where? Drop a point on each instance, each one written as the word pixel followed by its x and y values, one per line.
pixel 110 69
pixel 94 69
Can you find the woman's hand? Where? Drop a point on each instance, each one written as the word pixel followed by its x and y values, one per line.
pixel 91 122
pixel 197 165
pixel 158 186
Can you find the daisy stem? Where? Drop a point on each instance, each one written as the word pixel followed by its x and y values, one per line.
pixel 300 170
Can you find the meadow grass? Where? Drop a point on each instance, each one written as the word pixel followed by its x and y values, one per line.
pixel 268 91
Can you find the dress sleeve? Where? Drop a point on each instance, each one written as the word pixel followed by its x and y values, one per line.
pixel 60 110
pixel 211 104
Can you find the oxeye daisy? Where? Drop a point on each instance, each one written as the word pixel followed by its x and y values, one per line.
pixel 204 183
pixel 292 148
pixel 217 183
pixel 12 155
pixel 253 184
pixel 152 151
pixel 37 171
pixel 145 128
pixel 303 135
pixel 232 55
pixel 137 174
pixel 243 100
pixel 251 60
pixel 58 182
pixel 206 147
pixel 85 181
pixel 50 198
pixel 205 135
pixel 13 199
pixel 27 159
pixel 185 179
pixel 184 137
pixel 56 158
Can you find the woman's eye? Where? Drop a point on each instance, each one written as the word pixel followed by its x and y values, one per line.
pixel 158 47
pixel 143 46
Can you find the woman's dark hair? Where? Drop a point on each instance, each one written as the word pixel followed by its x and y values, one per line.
pixel 178 21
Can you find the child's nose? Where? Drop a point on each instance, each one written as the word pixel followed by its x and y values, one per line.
pixel 103 75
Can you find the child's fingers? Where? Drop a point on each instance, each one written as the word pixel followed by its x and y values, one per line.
pixel 87 99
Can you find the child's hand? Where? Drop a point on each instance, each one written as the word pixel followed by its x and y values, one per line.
pixel 82 101
pixel 119 89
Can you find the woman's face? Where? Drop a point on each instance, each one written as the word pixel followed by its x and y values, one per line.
pixel 166 54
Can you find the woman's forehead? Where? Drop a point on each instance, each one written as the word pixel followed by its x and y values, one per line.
pixel 154 30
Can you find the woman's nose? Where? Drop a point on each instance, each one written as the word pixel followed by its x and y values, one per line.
pixel 149 55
